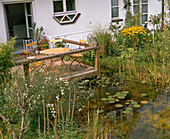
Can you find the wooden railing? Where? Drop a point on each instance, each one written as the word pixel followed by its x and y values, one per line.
pixel 93 46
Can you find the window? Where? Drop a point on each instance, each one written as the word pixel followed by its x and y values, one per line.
pixel 136 6
pixel 65 11
pixel 143 5
pixel 58 6
pixel 64 5
pixel 115 8
pixel 144 11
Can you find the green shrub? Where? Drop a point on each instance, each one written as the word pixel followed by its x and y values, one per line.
pixel 104 38
pixel 6 59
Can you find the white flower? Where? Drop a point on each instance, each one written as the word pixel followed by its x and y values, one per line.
pixel 62 94
pixel 25 84
pixel 80 109
pixel 61 79
pixel 57 97
pixel 42 86
pixel 48 105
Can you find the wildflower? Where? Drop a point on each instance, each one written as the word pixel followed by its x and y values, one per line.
pixel 62 93
pixel 48 105
pixel 57 97
pixel 61 79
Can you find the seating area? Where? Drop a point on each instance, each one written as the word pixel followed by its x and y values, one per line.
pixel 61 60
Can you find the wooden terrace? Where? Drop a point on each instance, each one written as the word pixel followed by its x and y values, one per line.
pixel 80 73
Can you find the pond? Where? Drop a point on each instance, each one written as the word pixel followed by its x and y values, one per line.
pixel 130 111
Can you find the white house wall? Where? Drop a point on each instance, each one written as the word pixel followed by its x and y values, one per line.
pixel 93 13
pixel 3 35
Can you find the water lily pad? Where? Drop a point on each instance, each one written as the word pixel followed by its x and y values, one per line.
pixel 127 103
pixel 136 105
pixel 111 101
pixel 107 93
pixel 104 99
pixel 121 97
pixel 143 95
pixel 119 105
pixel 110 98
pixel 144 102
pixel 115 95
pixel 116 100
pixel 125 92
pixel 129 108
pixel 134 102
pixel 126 111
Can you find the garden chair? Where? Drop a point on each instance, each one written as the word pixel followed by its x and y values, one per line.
pixel 27 55
pixel 78 57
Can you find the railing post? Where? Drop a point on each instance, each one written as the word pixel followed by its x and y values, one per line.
pixel 97 56
pixel 26 71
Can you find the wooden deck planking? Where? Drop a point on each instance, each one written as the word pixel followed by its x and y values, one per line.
pixel 80 73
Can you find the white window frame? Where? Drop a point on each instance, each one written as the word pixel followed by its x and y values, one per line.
pixel 61 16
pixel 140 6
pixel 136 4
pixel 114 6
pixel 144 3
pixel 64 8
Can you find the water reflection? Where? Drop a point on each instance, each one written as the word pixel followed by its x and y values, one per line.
pixel 150 121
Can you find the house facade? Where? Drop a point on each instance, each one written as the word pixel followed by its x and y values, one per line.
pixel 60 17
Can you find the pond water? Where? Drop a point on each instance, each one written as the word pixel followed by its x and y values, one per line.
pixel 133 111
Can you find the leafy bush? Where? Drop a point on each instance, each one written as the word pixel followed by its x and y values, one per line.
pixel 6 59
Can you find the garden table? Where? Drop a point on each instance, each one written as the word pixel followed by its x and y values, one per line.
pixel 53 51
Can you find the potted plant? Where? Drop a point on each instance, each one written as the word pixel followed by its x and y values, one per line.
pixel 43 44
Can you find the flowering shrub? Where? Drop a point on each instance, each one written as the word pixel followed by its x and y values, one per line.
pixel 134 36
pixel 43 44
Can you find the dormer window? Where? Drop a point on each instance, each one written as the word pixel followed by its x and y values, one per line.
pixel 65 11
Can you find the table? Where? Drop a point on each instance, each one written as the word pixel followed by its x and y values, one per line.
pixel 53 51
